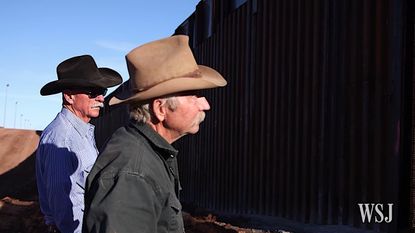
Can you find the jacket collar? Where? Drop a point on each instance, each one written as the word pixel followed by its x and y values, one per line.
pixel 155 138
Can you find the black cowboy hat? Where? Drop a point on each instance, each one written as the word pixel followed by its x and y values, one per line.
pixel 81 72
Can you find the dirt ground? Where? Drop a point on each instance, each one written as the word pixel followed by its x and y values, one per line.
pixel 19 209
pixel 18 216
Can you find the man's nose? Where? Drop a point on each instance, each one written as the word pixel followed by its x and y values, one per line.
pixel 203 103
pixel 100 98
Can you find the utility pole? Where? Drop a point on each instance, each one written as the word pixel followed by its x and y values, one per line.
pixel 15 112
pixel 5 106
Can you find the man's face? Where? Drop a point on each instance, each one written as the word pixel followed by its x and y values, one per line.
pixel 86 104
pixel 187 115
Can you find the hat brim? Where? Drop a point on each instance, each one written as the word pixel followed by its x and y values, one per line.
pixel 107 78
pixel 209 78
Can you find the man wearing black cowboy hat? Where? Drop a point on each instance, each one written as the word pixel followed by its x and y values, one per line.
pixel 67 149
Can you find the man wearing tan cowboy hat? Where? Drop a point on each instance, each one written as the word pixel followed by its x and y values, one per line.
pixel 67 148
pixel 134 185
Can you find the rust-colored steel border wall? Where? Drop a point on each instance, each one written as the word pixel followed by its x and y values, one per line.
pixel 310 123
pixel 316 118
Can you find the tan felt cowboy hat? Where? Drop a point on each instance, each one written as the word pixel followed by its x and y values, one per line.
pixel 164 67
pixel 81 72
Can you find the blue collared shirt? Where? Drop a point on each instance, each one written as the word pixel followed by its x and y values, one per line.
pixel 65 155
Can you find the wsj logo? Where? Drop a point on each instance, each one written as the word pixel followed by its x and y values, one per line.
pixel 375 212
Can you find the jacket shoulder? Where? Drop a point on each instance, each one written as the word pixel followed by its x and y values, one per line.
pixel 124 151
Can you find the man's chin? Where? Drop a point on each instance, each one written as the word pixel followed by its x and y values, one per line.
pixel 194 131
pixel 94 113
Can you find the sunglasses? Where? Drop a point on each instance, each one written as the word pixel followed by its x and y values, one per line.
pixel 94 93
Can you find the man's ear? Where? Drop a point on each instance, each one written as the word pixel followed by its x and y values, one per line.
pixel 68 97
pixel 159 109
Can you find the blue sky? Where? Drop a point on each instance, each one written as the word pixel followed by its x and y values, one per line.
pixel 37 35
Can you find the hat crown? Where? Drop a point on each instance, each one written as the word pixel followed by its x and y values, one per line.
pixel 159 61
pixel 82 66
pixel 164 67
pixel 81 72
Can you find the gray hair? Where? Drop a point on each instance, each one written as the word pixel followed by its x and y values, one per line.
pixel 141 112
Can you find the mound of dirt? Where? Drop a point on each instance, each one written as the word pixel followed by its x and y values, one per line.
pixel 16 146
pixel 17 163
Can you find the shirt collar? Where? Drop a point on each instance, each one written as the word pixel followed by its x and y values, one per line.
pixel 83 128
pixel 155 138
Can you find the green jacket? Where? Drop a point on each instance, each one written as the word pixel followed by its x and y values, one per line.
pixel 134 185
